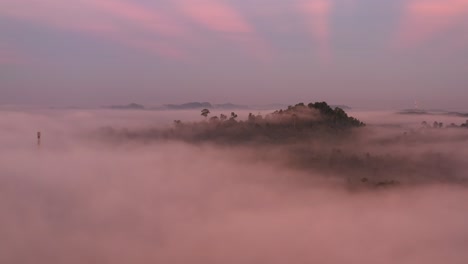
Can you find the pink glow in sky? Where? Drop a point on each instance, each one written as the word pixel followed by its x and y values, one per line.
pixel 319 12
pixel 393 52
pixel 425 19
pixel 215 15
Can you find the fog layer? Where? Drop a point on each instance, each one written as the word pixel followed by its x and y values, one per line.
pixel 78 198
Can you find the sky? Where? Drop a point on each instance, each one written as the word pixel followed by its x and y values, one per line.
pixel 362 53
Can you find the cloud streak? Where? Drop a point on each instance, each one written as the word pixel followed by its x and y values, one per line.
pixel 215 15
pixel 318 16
pixel 424 20
pixel 108 19
pixel 142 17
pixel 143 27
pixel 220 17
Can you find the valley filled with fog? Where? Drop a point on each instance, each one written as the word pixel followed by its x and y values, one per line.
pixel 104 186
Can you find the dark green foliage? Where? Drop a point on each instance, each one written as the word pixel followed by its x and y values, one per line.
pixel 465 125
pixel 317 137
pixel 205 112
pixel 317 114
pixel 438 125
pixel 233 116
pixel 337 115
pixel 299 122
pixel 316 121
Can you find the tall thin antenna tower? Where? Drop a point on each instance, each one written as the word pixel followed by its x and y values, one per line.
pixel 39 139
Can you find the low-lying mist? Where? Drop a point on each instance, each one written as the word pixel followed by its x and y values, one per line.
pixel 389 192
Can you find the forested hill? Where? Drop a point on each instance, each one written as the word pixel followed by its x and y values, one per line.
pixel 299 122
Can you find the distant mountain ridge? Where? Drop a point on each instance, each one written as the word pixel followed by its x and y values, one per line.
pixel 229 106
pixel 201 105
pixel 187 106
pixel 207 105
pixel 431 112
pixel 132 106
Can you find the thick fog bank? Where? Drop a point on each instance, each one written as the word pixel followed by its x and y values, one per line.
pixel 390 150
pixel 77 199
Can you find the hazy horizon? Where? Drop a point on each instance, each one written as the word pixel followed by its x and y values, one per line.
pixel 264 108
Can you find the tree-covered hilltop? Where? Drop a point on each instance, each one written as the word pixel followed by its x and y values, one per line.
pixel 296 122
pixel 298 116
pixel 317 113
pixel 318 138
pixel 299 122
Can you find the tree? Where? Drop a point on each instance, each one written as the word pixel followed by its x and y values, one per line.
pixel 251 117
pixel 223 117
pixel 323 107
pixel 300 105
pixel 233 116
pixel 205 112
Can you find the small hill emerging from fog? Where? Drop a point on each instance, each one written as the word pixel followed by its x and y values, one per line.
pixel 299 122
pixel 319 138
pixel 296 122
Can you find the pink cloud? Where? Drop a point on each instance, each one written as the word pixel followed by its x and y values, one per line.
pixel 149 21
pixel 425 19
pixel 116 20
pixel 51 12
pixel 215 15
pixel 219 16
pixel 318 16
pixel 142 17
pixel 140 27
